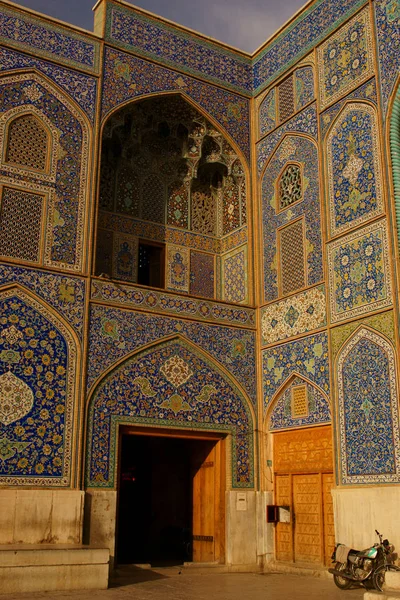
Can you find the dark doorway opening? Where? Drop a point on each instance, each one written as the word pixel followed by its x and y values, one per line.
pixel 151 264
pixel 155 505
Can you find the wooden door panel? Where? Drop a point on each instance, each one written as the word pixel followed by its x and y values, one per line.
pixel 204 484
pixel 284 534
pixel 308 518
pixel 329 525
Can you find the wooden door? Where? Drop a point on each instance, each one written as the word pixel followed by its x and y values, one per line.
pixel 208 503
pixel 329 526
pixel 307 518
pixel 284 531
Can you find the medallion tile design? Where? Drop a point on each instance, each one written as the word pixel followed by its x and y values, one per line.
pixel 307 357
pixel 172 395
pixel 127 78
pixel 387 18
pixel 125 255
pixel 178 268
pixel 234 276
pixel 66 186
pixel 202 274
pixel 354 170
pixel 281 416
pixel 37 375
pixel 114 333
pixel 167 44
pixel 368 410
pixel 295 315
pixel 65 294
pixel 303 122
pixel 303 151
pixel 367 91
pixel 359 273
pixel 82 88
pixel 345 59
pixel 171 304
pixel 27 32
pixel 298 38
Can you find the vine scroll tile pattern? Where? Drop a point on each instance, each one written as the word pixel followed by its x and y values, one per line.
pixel 172 385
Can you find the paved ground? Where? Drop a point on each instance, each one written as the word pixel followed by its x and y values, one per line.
pixel 173 584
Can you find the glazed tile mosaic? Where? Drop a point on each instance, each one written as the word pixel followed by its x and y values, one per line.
pixel 387 18
pixel 66 183
pixel 368 410
pixel 295 315
pixel 114 333
pixel 318 409
pixel 303 122
pixel 65 294
pixel 167 44
pixel 127 78
pixel 307 357
pixel 172 384
pixel 367 91
pixel 359 273
pixel 345 59
pixel 354 169
pixel 234 276
pixel 202 274
pixel 28 32
pixel 382 323
pixel 178 268
pixel 82 88
pixel 298 38
pixel 304 152
pixel 38 369
pixel 152 300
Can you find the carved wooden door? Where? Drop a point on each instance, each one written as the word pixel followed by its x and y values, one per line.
pixel 284 531
pixel 307 508
pixel 329 525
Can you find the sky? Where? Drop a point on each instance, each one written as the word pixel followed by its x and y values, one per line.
pixel 245 24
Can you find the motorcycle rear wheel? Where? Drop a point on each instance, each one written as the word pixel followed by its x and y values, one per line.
pixel 378 578
pixel 341 582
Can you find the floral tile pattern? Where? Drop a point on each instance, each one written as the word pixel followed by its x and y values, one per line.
pixel 171 384
pixel 178 268
pixel 304 86
pixel 345 59
pixel 303 122
pixel 293 316
pixel 319 412
pixel 167 44
pixel 368 410
pixel 234 276
pixel 359 273
pixel 114 333
pixel 151 300
pixel 27 32
pixel 64 293
pixel 302 151
pixel 307 357
pixel 81 87
pixel 267 113
pixel 202 274
pixel 37 374
pixel 354 169
pixel 127 77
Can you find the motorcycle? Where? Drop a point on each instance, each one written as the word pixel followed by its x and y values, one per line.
pixel 366 567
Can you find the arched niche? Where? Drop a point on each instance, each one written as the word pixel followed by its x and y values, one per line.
pixel 38 372
pixel 170 385
pixel 368 415
pixel 169 178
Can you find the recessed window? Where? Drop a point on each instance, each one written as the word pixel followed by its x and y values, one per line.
pixel 27 143
pixel 151 264
pixel 292 258
pixel 299 401
pixel 290 186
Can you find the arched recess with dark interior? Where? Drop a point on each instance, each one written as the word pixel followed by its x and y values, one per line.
pixel 172 202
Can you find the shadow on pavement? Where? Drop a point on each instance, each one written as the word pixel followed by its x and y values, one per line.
pixel 129 575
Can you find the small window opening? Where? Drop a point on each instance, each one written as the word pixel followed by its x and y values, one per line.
pixel 163 130
pixel 151 264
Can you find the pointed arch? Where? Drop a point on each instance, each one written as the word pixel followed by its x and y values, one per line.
pixel 169 383
pixel 368 409
pixel 42 351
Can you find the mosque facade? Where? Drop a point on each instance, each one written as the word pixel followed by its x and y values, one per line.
pixel 199 349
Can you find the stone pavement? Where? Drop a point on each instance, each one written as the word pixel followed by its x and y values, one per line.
pixel 185 584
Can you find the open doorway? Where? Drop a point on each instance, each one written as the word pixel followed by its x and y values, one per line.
pixel 170 501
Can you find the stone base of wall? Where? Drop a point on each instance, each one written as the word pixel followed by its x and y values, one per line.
pixel 41 516
pixel 52 567
pixel 359 511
